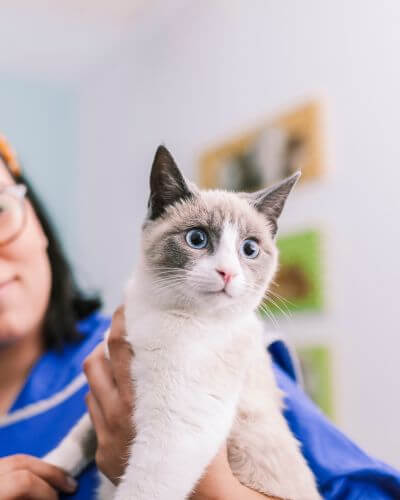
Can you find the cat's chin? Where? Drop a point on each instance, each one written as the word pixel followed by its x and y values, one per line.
pixel 222 303
pixel 207 302
pixel 219 293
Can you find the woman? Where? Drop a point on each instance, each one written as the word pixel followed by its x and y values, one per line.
pixel 48 328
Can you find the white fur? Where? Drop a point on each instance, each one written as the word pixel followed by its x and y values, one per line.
pixel 75 451
pixel 200 379
pixel 202 376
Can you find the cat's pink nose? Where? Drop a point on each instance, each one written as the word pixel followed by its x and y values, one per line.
pixel 226 275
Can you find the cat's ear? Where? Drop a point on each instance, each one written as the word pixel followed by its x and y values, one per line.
pixel 270 201
pixel 167 184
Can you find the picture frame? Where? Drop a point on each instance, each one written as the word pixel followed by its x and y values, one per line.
pixel 288 142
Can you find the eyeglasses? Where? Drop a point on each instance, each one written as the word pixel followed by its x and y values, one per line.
pixel 12 212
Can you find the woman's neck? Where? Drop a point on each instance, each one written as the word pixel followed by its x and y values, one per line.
pixel 16 361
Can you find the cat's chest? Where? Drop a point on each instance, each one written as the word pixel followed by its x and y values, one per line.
pixel 186 338
pixel 200 356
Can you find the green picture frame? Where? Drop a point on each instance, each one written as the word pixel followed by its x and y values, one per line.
pixel 298 285
pixel 316 366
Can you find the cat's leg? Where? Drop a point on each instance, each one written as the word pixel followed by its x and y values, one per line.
pixel 180 427
pixel 166 461
pixel 77 449
pixel 263 453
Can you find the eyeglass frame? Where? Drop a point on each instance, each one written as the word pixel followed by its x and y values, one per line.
pixel 18 191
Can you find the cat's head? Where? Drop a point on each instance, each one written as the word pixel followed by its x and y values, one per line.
pixel 209 250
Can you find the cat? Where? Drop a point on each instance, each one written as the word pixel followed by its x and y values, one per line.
pixel 201 372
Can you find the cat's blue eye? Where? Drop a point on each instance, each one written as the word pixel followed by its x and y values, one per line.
pixel 197 238
pixel 249 249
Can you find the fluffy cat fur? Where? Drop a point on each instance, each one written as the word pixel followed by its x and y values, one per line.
pixel 201 372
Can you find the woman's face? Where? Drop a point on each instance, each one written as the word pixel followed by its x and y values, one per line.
pixel 25 276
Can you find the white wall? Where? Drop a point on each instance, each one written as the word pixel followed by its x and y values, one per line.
pixel 40 120
pixel 213 68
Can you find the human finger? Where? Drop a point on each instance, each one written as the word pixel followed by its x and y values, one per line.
pixel 101 381
pixel 24 485
pixel 121 354
pixel 49 473
pixel 96 416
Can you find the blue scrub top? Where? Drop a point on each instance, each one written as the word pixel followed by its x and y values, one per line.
pixel 52 400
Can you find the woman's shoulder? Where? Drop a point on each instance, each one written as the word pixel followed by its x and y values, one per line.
pixel 92 330
pixel 56 385
pixel 53 399
pixel 66 366
pixel 61 370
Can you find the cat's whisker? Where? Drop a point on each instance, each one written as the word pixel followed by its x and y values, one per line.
pixel 168 283
pixel 189 279
pixel 165 271
pixel 267 298
pixel 269 315
pixel 170 279
pixel 270 299
pixel 283 299
pixel 166 287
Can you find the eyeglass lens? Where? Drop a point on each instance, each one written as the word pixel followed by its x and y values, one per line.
pixel 12 216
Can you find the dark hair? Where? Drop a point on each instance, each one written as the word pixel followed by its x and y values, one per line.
pixel 67 303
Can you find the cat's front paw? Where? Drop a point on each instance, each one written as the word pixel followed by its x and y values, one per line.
pixel 68 458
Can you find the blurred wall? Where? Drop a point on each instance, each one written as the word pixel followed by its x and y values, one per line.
pixel 40 120
pixel 211 69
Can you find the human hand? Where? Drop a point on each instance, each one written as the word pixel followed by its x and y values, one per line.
pixel 218 481
pixel 29 478
pixel 110 400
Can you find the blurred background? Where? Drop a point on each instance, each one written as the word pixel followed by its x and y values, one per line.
pixel 242 93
